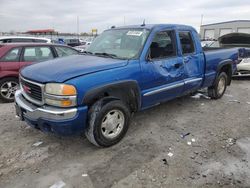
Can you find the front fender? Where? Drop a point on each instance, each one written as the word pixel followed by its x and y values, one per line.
pixel 127 90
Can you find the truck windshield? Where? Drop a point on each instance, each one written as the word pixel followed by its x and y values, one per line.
pixel 119 43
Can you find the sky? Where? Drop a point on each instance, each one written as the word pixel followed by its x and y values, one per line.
pixel 61 15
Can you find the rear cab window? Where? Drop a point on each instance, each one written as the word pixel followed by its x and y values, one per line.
pixel 187 42
pixel 12 55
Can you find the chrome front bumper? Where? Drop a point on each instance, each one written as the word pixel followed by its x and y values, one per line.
pixel 31 111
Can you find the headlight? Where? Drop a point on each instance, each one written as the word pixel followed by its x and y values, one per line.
pixel 62 95
pixel 60 89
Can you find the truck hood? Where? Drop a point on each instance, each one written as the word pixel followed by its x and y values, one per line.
pixel 62 69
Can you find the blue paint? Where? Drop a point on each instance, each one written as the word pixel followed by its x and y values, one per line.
pixel 69 127
pixel 86 72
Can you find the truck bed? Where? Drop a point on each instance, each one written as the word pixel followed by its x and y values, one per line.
pixel 214 56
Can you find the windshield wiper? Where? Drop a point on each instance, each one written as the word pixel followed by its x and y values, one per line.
pixel 87 52
pixel 106 54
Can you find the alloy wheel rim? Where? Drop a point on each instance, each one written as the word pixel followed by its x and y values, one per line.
pixel 221 85
pixel 8 89
pixel 112 124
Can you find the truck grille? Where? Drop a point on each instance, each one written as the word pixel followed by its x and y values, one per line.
pixel 31 90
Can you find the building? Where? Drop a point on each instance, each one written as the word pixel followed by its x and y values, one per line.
pixel 41 32
pixel 216 30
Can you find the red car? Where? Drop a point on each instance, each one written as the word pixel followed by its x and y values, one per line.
pixel 15 56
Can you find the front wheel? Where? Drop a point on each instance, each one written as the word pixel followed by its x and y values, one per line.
pixel 8 87
pixel 107 122
pixel 218 89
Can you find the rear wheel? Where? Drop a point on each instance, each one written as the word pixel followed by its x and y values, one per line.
pixel 219 87
pixel 8 87
pixel 108 123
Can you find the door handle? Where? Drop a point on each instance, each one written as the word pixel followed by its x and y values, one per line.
pixel 177 65
pixel 186 59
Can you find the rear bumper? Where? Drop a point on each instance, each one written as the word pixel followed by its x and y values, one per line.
pixel 61 121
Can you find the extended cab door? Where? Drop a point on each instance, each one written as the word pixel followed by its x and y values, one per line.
pixel 192 60
pixel 163 70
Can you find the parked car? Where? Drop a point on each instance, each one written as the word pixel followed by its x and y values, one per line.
pixel 243 68
pixel 124 70
pixel 82 47
pixel 14 56
pixel 72 42
pixel 84 44
pixel 210 44
pixel 238 40
pixel 22 39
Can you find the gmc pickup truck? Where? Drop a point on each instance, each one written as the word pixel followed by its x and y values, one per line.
pixel 125 70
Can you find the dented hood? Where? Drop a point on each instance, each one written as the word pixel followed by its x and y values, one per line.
pixel 62 69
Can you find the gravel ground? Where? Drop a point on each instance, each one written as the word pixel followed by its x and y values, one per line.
pixel 216 153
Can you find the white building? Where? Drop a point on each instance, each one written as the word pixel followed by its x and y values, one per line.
pixel 214 31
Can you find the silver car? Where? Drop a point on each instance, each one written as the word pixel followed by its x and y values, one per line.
pixel 243 68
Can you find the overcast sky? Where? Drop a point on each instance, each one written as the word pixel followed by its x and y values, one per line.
pixel 61 15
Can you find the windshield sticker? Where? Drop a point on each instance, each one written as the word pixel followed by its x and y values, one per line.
pixel 134 33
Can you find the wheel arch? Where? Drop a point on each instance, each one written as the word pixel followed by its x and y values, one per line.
pixel 128 91
pixel 227 67
pixel 8 74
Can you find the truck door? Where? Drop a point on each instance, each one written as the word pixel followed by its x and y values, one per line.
pixel 192 62
pixel 163 71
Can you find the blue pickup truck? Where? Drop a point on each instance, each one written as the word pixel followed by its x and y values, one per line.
pixel 125 70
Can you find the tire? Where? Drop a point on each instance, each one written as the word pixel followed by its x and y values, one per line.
pixel 99 116
pixel 218 89
pixel 8 86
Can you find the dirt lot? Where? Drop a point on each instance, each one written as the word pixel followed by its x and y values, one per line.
pixel 219 155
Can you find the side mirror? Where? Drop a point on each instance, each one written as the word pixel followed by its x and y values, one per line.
pixel 149 59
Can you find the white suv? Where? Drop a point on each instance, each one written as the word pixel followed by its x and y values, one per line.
pixel 18 39
pixel 243 68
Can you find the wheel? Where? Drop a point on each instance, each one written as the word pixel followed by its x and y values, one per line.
pixel 107 122
pixel 218 89
pixel 8 87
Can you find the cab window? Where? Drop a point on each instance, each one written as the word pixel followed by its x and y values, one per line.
pixel 187 43
pixel 12 55
pixel 163 45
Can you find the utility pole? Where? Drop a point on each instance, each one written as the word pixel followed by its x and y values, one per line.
pixel 201 20
pixel 201 23
pixel 77 23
